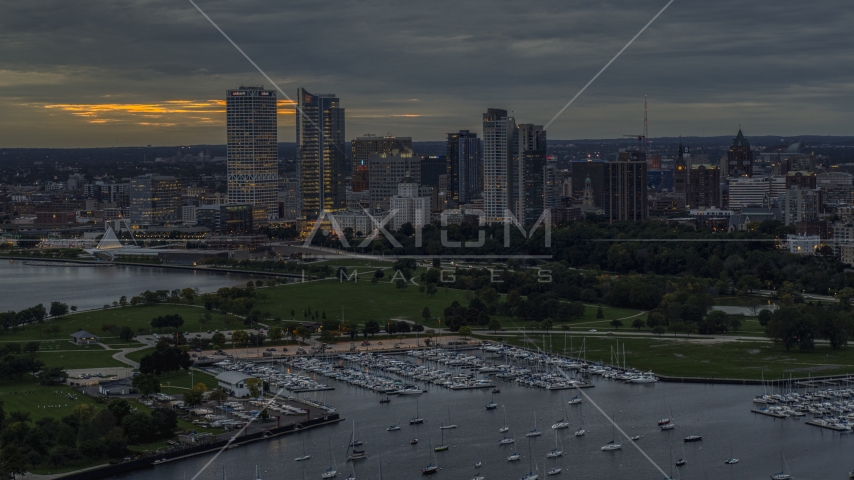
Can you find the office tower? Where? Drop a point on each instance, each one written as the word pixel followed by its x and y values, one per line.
pixel 740 157
pixel 704 187
pixel 498 169
pixel 363 147
pixel 320 150
pixel 616 187
pixel 748 192
pixel 410 205
pixel 530 171
pixel 155 199
pixel 231 219
pixel 465 167
pixel 253 156
pixel 680 176
pixel 386 171
pixel 432 168
pixel 626 188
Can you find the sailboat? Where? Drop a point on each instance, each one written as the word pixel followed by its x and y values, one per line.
pixel 531 475
pixel 612 445
pixel 505 428
pixel 682 461
pixel 449 425
pixel 554 471
pixel 561 423
pixel 782 475
pixel 534 432
pixel 352 475
pixel 330 472
pixel 393 428
pixel 514 457
pixel 257 477
pixel 581 431
pixel 732 460
pixel 556 452
pixel 356 454
pixel 667 423
pixel 430 469
pixel 441 447
pixel 507 440
pixel 417 420
pixel 574 400
pixel 304 456
pixel 492 405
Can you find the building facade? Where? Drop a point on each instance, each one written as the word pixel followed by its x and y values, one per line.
pixel 155 199
pixel 739 157
pixel 361 148
pixel 409 207
pixel 230 219
pixel 704 186
pixel 386 170
pixel 530 172
pixel 498 168
pixel 465 166
pixel 253 156
pixel 320 153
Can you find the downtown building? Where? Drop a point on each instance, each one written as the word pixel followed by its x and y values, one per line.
pixel 704 187
pixel 361 149
pixel 320 154
pixel 253 157
pixel 616 187
pixel 499 172
pixel 155 199
pixel 531 173
pixel 386 171
pixel 739 158
pixel 464 153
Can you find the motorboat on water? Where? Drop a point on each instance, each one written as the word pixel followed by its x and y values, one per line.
pixel 554 471
pixel 393 428
pixel 514 457
pixel 669 426
pixel 693 438
pixel 574 400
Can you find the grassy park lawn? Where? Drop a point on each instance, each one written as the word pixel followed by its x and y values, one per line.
pixel 93 358
pixel 175 383
pixel 137 355
pixel 361 301
pixel 40 401
pixel 733 359
pixel 134 317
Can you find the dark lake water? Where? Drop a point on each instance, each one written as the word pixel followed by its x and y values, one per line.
pixel 720 413
pixel 22 286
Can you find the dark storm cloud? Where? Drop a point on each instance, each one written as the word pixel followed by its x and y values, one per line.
pixel 777 67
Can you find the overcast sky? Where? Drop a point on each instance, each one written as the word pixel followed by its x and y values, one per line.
pixel 105 73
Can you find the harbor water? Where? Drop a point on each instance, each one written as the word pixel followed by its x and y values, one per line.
pixel 719 413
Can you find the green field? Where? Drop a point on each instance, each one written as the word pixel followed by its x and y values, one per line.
pixel 361 301
pixel 134 317
pixel 674 357
pixel 81 359
pixel 173 383
pixel 39 400
pixel 137 355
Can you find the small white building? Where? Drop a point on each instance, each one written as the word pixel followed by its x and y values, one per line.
pixel 803 244
pixel 234 383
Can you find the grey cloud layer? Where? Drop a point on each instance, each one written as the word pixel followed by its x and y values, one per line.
pixel 781 66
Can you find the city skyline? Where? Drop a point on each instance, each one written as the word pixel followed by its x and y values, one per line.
pixel 153 73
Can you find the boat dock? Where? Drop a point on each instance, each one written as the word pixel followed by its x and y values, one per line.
pixel 829 427
pixel 315 389
pixel 770 414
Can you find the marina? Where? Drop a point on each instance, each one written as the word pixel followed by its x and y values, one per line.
pixel 479 435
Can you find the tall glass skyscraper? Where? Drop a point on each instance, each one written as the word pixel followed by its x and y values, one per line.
pixel 464 153
pixel 320 150
pixel 253 157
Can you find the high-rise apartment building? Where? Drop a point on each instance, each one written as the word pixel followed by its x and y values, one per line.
pixel 739 157
pixel 320 152
pixel 530 172
pixel 432 168
pixel 155 199
pixel 616 187
pixel 361 148
pixel 499 173
pixel 253 156
pixel 465 167
pixel 409 205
